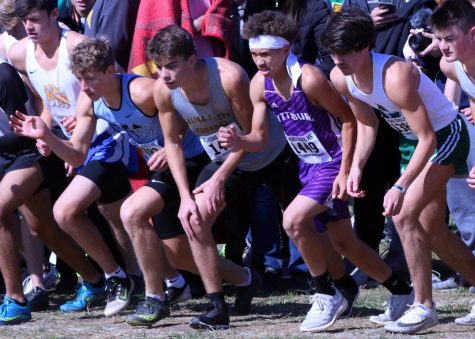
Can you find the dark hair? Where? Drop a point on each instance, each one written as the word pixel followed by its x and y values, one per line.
pixel 270 23
pixel 171 41
pixel 23 7
pixel 91 55
pixel 459 13
pixel 348 31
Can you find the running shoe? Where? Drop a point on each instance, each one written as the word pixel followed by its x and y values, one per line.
pixel 50 279
pixel 11 312
pixel 148 312
pixel 417 318
pixel 87 295
pixel 215 319
pixel 38 299
pixel 469 319
pixel 324 311
pixel 177 295
pixel 397 305
pixel 119 294
pixel 244 294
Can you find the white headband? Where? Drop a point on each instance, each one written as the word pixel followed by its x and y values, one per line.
pixel 268 41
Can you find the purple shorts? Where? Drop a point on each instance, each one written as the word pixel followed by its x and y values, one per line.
pixel 317 182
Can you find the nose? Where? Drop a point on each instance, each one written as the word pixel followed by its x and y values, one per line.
pixel 84 86
pixel 443 45
pixel 28 25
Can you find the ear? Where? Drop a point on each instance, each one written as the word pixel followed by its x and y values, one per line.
pixel 471 33
pixel 110 71
pixel 54 14
pixel 192 60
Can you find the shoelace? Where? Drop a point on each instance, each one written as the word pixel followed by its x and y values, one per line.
pixel 417 313
pixel 113 289
pixel 318 301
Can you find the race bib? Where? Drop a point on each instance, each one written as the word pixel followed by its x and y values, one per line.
pixel 211 145
pixel 308 148
pixel 147 148
pixel 397 121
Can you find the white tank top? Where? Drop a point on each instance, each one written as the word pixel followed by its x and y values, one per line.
pixel 9 41
pixel 440 110
pixel 467 85
pixel 58 88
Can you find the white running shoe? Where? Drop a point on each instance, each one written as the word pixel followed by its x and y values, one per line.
pixel 469 319
pixel 325 309
pixel 417 318
pixel 397 305
pixel 50 279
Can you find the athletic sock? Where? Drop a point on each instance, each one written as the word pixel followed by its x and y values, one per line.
pixel 323 284
pixel 396 285
pixel 99 284
pixel 119 273
pixel 177 282
pixel 159 297
pixel 346 284
pixel 217 298
pixel 248 280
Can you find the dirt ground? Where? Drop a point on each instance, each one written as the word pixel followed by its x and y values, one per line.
pixel 276 316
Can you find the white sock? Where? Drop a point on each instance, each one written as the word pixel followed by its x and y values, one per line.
pixel 119 273
pixel 249 278
pixel 177 282
pixel 160 297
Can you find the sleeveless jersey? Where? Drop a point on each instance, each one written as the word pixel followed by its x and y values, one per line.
pixel 8 41
pixel 144 131
pixel 205 121
pixel 59 90
pixel 440 110
pixel 467 85
pixel 313 133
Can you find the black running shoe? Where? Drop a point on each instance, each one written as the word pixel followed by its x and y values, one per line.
pixel 244 295
pixel 176 295
pixel 38 299
pixel 119 294
pixel 215 319
pixel 148 312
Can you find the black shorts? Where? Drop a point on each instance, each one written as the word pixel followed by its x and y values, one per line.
pixel 167 223
pixel 54 175
pixel 111 178
pixel 15 161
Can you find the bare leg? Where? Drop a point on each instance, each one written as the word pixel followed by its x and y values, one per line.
pixel 111 213
pixel 69 212
pixel 360 254
pixel 33 251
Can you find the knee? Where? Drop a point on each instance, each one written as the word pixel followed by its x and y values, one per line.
pixel 405 222
pixel 64 215
pixel 131 218
pixel 294 225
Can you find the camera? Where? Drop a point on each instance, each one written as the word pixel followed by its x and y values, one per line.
pixel 418 42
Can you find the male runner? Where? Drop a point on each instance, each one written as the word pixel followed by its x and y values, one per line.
pixel 453 23
pixel 433 146
pixel 42 58
pixel 206 94
pixel 126 101
pixel 302 99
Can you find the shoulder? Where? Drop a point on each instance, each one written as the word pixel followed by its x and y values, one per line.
pixel 399 74
pixel 74 38
pixel 17 55
pixel 448 68
pixel 141 92
pixel 232 76
pixel 257 87
pixel 162 96
pixel 338 80
pixel 312 77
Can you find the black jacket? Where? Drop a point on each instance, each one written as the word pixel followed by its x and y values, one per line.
pixel 391 39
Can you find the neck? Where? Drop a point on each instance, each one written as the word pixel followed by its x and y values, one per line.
pixel 364 74
pixel 112 94
pixel 195 76
pixel 469 66
pixel 50 45
pixel 281 75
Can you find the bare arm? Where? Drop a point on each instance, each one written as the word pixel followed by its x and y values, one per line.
pixel 367 129
pixel 257 138
pixel 322 93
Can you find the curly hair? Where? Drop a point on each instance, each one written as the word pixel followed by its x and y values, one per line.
pixel 348 31
pixel 171 41
pixel 270 23
pixel 91 55
pixel 8 18
pixel 459 13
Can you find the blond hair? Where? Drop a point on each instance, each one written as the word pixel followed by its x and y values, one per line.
pixel 8 18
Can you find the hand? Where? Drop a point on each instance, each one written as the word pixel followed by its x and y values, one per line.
pixel 28 126
pixel 43 148
pixel 213 191
pixel 189 216
pixel 471 178
pixel 392 202
pixel 468 114
pixel 158 161
pixel 228 136
pixel 353 183
pixel 339 187
pixel 382 17
pixel 69 123
pixel 433 49
pixel 70 170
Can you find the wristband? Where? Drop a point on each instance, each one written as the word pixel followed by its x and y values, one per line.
pixel 400 189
